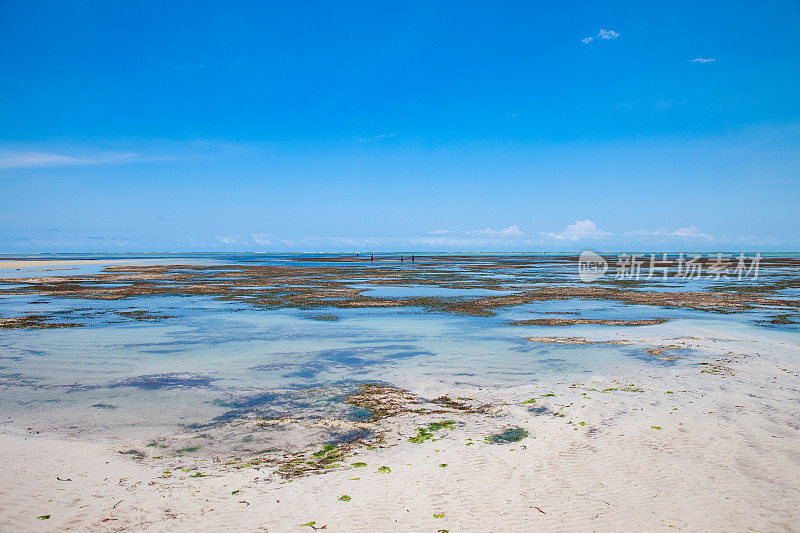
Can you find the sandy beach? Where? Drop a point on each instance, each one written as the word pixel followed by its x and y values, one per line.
pixel 55 263
pixel 716 451
pixel 701 434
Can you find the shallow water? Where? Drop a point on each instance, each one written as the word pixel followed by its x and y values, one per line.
pixel 203 361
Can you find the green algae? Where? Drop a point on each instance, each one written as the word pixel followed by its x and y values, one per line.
pixel 421 436
pixel 327 458
pixel 326 449
pixel 533 400
pixel 188 449
pixel 135 453
pixel 426 433
pixel 513 434
pixel 626 388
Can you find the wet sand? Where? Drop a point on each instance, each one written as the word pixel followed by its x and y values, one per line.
pixel 715 448
pixel 54 263
pixel 712 445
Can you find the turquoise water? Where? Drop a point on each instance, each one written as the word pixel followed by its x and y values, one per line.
pixel 211 361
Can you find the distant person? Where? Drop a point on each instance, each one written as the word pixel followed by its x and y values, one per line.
pixel 372 257
pixel 412 258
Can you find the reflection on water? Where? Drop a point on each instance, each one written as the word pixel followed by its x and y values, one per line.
pixel 214 365
pixel 195 362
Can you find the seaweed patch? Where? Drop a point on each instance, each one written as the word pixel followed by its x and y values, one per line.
pixel 512 434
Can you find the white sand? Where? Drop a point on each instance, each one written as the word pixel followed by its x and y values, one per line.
pixel 726 458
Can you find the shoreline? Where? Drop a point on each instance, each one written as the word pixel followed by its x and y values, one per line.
pixel 625 454
pixel 12 264
pixel 711 442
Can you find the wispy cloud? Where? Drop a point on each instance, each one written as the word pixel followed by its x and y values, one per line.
pixel 378 137
pixel 223 239
pixel 704 60
pixel 268 239
pixel 25 159
pixel 579 231
pixel 690 232
pixel 487 238
pixel 509 231
pixel 602 34
pixel 53 240
pixel 607 34
pixel 264 239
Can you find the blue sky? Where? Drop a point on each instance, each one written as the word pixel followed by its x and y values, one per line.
pixel 323 126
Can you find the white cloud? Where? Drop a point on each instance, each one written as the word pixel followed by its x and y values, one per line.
pixel 704 60
pixel 580 230
pixel 268 239
pixel 690 232
pixel 379 137
pixel 509 231
pixel 221 239
pixel 602 34
pixel 263 239
pixel 440 242
pixel 607 34
pixel 23 159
